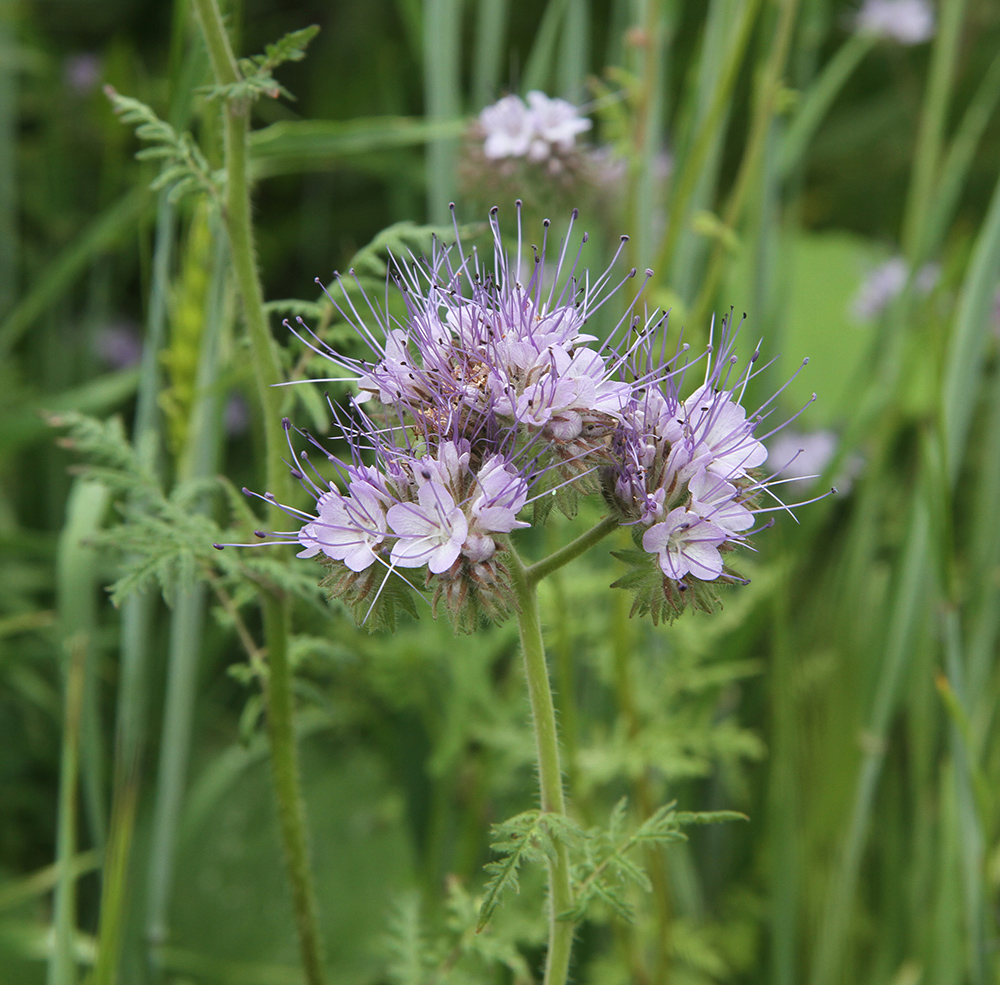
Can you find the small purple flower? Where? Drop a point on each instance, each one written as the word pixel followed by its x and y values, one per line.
pixel 430 531
pixel 501 495
pixel 347 529
pixel 686 544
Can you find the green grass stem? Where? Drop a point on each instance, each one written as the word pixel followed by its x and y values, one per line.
pixel 908 607
pixel 78 579
pixel 196 461
pixel 62 963
pixel 539 66
pixel 9 240
pixel 931 130
pixel 969 339
pixel 957 162
pixel 761 123
pixel 688 257
pixel 815 103
pixel 115 224
pixel 705 137
pixel 491 35
pixel 442 98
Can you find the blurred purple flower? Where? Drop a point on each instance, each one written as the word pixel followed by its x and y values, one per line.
pixel 82 73
pixel 885 283
pixel 907 22
pixel 118 345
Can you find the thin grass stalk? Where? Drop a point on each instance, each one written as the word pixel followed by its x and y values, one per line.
pixel 647 131
pixel 550 779
pixel 77 586
pixel 443 99
pixel 690 253
pixel 178 718
pixel 62 962
pixel 574 51
pixel 958 161
pixel 819 98
pixel 491 35
pixel 984 551
pixel 705 137
pixel 112 226
pixel 114 887
pixel 538 68
pixel 783 827
pixel 907 608
pixel 969 340
pixel 9 246
pixel 284 754
pixel 17 892
pixel 760 126
pixel 971 840
pixel 197 461
pixel 933 120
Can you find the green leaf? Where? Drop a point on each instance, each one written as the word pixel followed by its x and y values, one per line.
pixel 526 837
pixel 185 169
pixel 257 71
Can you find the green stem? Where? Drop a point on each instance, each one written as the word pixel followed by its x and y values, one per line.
pixel 701 147
pixel 267 371
pixel 763 119
pixel 819 98
pixel 62 963
pixel 543 717
pixel 537 571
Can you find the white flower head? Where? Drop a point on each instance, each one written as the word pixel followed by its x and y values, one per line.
pixel 556 121
pixel 904 21
pixel 509 128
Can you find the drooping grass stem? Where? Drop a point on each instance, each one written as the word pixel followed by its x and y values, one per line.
pixel 284 756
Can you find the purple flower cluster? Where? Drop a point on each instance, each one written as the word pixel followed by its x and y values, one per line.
pixel 489 395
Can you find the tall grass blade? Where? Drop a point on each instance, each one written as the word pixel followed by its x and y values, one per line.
pixel 300 146
pixel 933 119
pixel 9 249
pixel 969 339
pixel 443 99
pixel 491 34
pixel 78 582
pixel 818 99
pixel 574 51
pixel 103 234
pixel 958 161
pixel 907 608
pixel 62 963
pixel 197 461
pixel 538 71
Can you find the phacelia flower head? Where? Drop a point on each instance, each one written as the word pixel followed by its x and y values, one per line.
pixel 490 400
pixel 906 22
pixel 543 128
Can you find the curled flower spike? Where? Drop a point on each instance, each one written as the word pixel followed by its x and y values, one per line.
pixel 491 396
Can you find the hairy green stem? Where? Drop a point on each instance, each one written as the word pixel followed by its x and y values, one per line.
pixel 543 717
pixel 284 754
pixel 537 571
